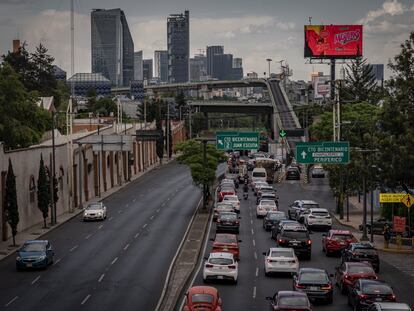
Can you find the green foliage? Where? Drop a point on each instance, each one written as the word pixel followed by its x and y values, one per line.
pixel 180 100
pixel 11 208
pixel 43 191
pixel 22 123
pixel 192 155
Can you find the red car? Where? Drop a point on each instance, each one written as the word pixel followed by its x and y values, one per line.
pixel 289 301
pixel 336 240
pixel 349 272
pixel 226 243
pixel 202 298
pixel 226 191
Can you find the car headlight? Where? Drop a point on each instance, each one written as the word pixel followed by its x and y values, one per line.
pixel 43 257
pixel 99 213
pixel 18 258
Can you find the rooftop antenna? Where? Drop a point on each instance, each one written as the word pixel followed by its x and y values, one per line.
pixel 310 20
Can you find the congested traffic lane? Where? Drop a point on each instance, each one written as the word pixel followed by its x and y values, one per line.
pixel 253 286
pixel 119 263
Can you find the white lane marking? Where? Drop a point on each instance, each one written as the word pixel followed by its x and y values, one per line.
pixel 251 221
pixel 73 248
pixel 114 261
pixel 101 277
pixel 57 261
pixel 120 211
pixel 158 210
pixel 254 292
pixel 88 236
pixel 163 204
pixel 152 217
pixel 126 247
pixel 136 235
pixel 36 279
pixel 11 301
pixel 252 231
pixel 257 271
pixel 100 227
pixel 255 255
pixel 126 205
pixel 110 218
pixel 254 242
pixel 134 200
pixel 144 225
pixel 85 299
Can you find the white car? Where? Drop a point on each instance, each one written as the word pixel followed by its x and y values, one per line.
pixel 233 199
pixel 255 183
pixel 265 206
pixel 221 266
pixel 94 211
pixel 281 259
pixel 222 207
pixel 318 217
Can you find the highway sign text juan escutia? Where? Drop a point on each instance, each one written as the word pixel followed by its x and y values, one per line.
pixel 237 140
pixel 323 152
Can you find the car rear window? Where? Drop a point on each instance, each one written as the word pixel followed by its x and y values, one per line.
pixel 202 298
pixel 307 206
pixel 33 247
pixel 293 302
pixel 227 189
pixel 221 261
pixel 276 216
pixel 342 236
pixel 295 234
pixel 373 289
pixel 231 198
pixel 259 174
pixel 225 239
pixel 318 277
pixel 225 206
pixel 360 269
pixel 267 202
pixel 320 213
pixel 94 207
pixel 287 254
pixel 228 216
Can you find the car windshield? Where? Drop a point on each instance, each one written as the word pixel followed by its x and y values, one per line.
pixel 308 206
pixel 225 239
pixel 373 289
pixel 293 301
pixel 317 277
pixel 259 174
pixel 33 247
pixel 342 236
pixel 221 261
pixel 277 216
pixel 295 234
pixel 202 298
pixel 281 253
pixel 267 202
pixel 320 213
pixel 227 189
pixel 94 207
pixel 231 199
pixel 360 269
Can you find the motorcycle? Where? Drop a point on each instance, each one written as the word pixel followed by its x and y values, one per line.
pixel 245 195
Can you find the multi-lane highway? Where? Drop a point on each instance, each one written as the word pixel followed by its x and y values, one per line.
pixel 117 264
pixel 253 286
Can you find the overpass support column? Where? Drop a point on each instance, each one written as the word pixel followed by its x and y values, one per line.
pixel 206 120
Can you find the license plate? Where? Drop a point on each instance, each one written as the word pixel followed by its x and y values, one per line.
pixel 282 263
pixel 378 299
pixel 225 249
pixel 220 277
pixel 29 264
pixel 294 244
pixel 313 288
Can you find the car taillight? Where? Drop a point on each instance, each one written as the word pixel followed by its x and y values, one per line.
pixel 300 286
pixel 269 260
pixel 392 297
pixel 209 266
pixel 362 296
pixel 218 220
pixel 348 277
pixel 281 241
pixel 237 222
pixel 232 267
pixel 309 242
pixel 327 286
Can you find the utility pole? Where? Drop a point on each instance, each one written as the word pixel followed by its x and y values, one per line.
pixel 168 130
pixel 53 175
pixel 268 62
pixel 333 97
pixel 80 175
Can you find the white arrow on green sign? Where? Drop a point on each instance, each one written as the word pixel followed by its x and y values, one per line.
pixel 323 152
pixel 282 133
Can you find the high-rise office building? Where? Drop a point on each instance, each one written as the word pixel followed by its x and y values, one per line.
pixel 138 75
pixel 237 68
pixel 378 72
pixel 178 42
pixel 223 66
pixel 198 68
pixel 211 51
pixel 112 46
pixel 147 69
pixel 161 65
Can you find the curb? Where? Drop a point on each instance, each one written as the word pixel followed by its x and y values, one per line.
pixel 77 210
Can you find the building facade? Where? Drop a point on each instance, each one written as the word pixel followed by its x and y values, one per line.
pixel 138 73
pixel 223 66
pixel 112 46
pixel 378 72
pixel 211 51
pixel 147 69
pixel 82 83
pixel 178 43
pixel 161 65
pixel 198 68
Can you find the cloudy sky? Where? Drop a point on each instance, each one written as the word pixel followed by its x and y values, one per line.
pixel 254 30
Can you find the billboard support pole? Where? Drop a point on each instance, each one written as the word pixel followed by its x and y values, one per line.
pixel 333 96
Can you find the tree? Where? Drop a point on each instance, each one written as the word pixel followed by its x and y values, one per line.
pixel 359 81
pixel 91 95
pixel 43 72
pixel 11 207
pixel 180 100
pixel 43 191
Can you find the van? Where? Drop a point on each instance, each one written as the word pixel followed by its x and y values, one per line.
pixel 259 173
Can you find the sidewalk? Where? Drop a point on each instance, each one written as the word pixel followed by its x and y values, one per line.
pixel 37 231
pixel 356 218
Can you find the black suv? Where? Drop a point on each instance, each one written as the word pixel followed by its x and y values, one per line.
pixel 296 238
pixel 362 252
pixel 227 221
pixel 272 219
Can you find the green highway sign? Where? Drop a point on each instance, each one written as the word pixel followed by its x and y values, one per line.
pixel 237 140
pixel 282 133
pixel 322 152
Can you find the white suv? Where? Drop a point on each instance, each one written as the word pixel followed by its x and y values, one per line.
pixel 318 217
pixel 221 266
pixel 234 200
pixel 265 206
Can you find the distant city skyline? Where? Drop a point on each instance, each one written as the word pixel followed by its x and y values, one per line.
pixel 253 31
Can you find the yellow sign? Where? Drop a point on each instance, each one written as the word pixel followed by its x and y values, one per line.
pixel 391 197
pixel 408 200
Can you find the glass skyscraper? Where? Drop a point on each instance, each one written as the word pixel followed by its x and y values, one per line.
pixel 178 37
pixel 112 46
pixel 161 65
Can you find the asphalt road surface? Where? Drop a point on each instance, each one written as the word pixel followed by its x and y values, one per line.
pixel 117 264
pixel 253 286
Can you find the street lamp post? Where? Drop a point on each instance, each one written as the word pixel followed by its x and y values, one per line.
pixel 53 175
pixel 268 62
